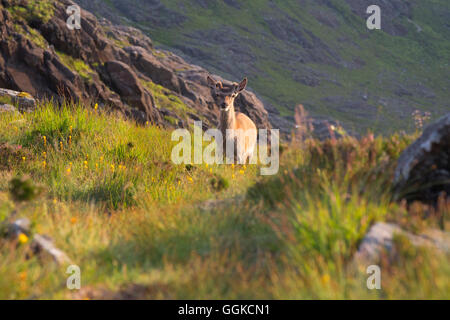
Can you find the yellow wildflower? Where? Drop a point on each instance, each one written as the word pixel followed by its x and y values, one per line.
pixel 73 220
pixel 96 106
pixel 325 279
pixel 23 158
pixel 23 238
pixel 44 164
pixel 23 275
pixel 241 171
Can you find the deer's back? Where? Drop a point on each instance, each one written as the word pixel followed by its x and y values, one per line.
pixel 249 131
pixel 244 123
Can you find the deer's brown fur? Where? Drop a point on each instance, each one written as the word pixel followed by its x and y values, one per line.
pixel 234 125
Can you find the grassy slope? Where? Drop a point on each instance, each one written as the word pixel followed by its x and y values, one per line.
pixel 418 59
pixel 118 207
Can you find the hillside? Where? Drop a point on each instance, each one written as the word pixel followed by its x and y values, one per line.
pixel 318 53
pixel 102 188
pixel 115 67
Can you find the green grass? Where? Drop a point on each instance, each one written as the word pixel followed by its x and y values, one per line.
pixel 6 100
pixel 32 35
pixel 115 203
pixel 76 65
pixel 167 99
pixel 33 10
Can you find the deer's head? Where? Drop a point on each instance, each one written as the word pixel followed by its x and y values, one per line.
pixel 224 95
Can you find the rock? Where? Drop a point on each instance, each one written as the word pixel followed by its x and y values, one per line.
pixel 126 83
pixel 22 99
pixel 215 205
pixel 7 108
pixel 152 68
pixel 380 238
pixel 423 169
pixel 18 227
pixel 43 246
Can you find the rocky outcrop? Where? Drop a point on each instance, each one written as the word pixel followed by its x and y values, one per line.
pixel 380 239
pixel 423 169
pixel 22 99
pixel 106 64
pixel 151 67
pixel 125 82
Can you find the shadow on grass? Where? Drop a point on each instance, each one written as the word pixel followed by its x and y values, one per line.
pixel 174 238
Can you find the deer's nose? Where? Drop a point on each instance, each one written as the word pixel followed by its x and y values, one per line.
pixel 223 105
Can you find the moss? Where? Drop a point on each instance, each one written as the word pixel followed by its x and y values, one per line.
pixel 77 65
pixel 31 34
pixel 171 120
pixel 167 99
pixel 159 54
pixel 6 100
pixel 37 38
pixel 33 10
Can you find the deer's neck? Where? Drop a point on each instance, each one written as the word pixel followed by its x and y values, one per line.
pixel 227 119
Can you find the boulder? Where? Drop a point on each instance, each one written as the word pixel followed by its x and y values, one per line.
pixel 44 247
pixel 152 68
pixel 22 99
pixel 423 169
pixel 127 84
pixel 7 108
pixel 20 226
pixel 380 239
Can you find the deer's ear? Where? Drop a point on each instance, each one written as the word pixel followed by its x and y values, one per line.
pixel 241 86
pixel 211 82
